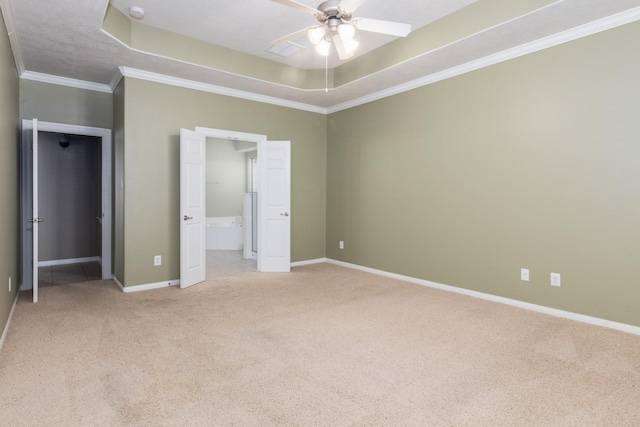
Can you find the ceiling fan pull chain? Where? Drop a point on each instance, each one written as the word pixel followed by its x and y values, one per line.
pixel 326 73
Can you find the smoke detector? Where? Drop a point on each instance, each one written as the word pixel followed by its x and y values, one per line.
pixel 136 12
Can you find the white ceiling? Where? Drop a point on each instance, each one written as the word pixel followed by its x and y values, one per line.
pixel 250 25
pixel 63 38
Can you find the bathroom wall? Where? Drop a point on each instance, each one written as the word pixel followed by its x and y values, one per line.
pixel 226 179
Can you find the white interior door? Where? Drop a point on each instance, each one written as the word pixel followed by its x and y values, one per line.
pixel 192 208
pixel 35 220
pixel 274 199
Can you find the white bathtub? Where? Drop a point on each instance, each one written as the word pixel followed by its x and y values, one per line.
pixel 224 233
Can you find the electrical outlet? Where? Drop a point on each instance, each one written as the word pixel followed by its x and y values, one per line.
pixel 157 260
pixel 555 279
pixel 524 274
pixel 341 244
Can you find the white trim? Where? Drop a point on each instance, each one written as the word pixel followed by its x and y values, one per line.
pixel 6 326
pixel 69 261
pixel 76 129
pixel 631 329
pixel 106 190
pixel 146 287
pixel 220 90
pixel 65 81
pixel 10 22
pixel 231 134
pixel 581 31
pixel 572 34
pixel 115 80
pixel 585 30
pixel 309 262
pixel 120 285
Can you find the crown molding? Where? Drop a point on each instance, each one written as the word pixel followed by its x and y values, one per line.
pixel 585 30
pixel 220 90
pixel 115 80
pixel 10 22
pixel 65 81
pixel 581 31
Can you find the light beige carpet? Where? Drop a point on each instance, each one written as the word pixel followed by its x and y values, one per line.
pixel 321 346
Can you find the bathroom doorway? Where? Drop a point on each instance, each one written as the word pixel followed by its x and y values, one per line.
pixel 274 202
pixel 231 190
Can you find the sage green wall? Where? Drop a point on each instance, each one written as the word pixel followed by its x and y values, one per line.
pixel 118 182
pixel 9 127
pixel 226 180
pixel 62 104
pixel 154 114
pixel 530 163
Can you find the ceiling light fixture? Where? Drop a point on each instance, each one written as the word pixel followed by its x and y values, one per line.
pixel 136 12
pixel 316 34
pixel 346 31
pixel 64 141
pixel 323 47
pixel 338 26
pixel 322 35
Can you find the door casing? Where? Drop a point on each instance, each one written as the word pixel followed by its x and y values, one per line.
pixel 260 140
pixel 26 192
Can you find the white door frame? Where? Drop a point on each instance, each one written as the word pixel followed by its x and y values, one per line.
pixel 105 134
pixel 240 136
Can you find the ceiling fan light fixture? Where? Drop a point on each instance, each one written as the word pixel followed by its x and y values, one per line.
pixel 316 34
pixel 323 47
pixel 347 31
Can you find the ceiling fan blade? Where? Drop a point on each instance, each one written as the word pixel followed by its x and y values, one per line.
pixel 300 33
pixel 342 50
pixel 299 6
pixel 384 27
pixel 351 5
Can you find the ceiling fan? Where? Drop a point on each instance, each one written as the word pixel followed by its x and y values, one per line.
pixel 337 24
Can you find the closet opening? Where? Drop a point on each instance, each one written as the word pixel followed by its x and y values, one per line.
pixel 65 204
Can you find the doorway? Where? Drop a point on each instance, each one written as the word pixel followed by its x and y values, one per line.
pixel 230 184
pixel 69 181
pixel 274 202
pixel 66 181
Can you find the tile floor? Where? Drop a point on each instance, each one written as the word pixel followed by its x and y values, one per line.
pixel 228 263
pixel 69 273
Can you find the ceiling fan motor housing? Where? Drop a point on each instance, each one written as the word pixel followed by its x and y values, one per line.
pixel 332 13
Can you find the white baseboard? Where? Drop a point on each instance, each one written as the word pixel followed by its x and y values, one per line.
pixel 69 261
pixel 308 262
pixel 502 300
pixel 6 326
pixel 145 287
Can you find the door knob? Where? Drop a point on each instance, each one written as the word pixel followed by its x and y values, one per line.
pixel 35 220
pixel 285 214
pixel 187 218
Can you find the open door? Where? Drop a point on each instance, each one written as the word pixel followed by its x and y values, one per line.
pixel 192 208
pixel 274 200
pixel 29 212
pixel 35 220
